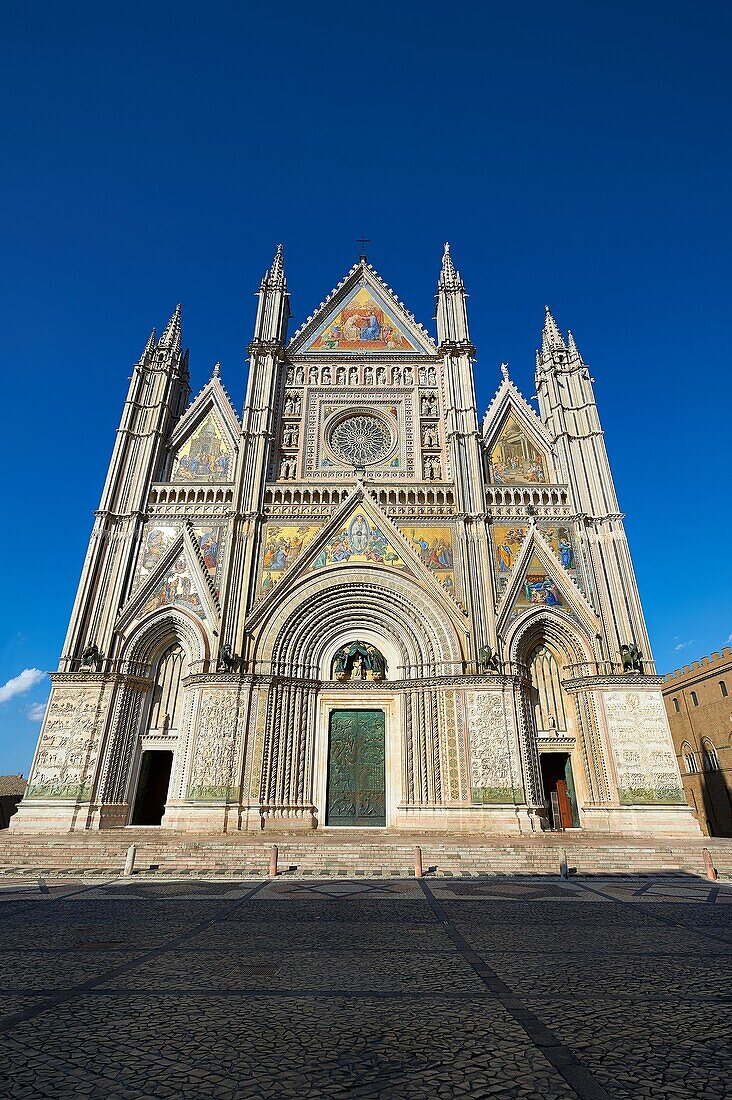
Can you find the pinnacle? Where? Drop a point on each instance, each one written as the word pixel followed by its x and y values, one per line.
pixel 277 271
pixel 572 346
pixel 149 346
pixel 449 276
pixel 171 338
pixel 216 370
pixel 551 337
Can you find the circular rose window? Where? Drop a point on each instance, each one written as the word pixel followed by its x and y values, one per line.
pixel 361 440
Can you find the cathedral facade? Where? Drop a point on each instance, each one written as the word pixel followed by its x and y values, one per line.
pixel 356 605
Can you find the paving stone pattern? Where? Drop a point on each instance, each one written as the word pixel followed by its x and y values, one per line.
pixel 393 989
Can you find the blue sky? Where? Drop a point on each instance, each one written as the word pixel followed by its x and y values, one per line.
pixel 573 153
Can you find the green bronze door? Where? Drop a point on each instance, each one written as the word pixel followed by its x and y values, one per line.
pixel 356 794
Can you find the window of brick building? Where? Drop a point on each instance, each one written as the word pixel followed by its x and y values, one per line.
pixel 676 706
pixel 689 759
pixel 710 760
pixel 694 699
pixel 723 689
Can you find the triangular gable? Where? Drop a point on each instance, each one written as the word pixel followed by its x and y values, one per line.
pixel 180 580
pixel 362 315
pixel 361 534
pixel 519 448
pixel 538 579
pixel 202 447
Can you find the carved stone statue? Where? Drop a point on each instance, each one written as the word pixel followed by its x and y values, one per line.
pixel 228 658
pixel 631 657
pixel 488 660
pixel 359 661
pixel 92 657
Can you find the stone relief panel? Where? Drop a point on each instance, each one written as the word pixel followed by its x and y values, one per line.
pixel 212 777
pixel 69 744
pixel 642 748
pixel 494 765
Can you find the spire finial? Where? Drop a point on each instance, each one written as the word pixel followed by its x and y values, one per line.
pixel 551 337
pixel 449 277
pixel 363 241
pixel 216 370
pixel 504 370
pixel 171 338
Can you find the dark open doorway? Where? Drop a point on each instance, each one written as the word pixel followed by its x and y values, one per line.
pixel 561 801
pixel 152 787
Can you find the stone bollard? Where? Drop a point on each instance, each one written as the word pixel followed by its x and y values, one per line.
pixel 711 870
pixel 273 861
pixel 418 862
pixel 563 869
pixel 130 860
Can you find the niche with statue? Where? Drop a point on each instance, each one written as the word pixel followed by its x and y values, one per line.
pixel 358 661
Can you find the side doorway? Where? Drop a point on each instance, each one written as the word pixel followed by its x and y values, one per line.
pixel 559 792
pixel 152 787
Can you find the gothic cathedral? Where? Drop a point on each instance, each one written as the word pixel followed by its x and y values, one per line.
pixel 356 606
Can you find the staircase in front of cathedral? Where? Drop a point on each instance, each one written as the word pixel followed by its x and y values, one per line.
pixel 351 854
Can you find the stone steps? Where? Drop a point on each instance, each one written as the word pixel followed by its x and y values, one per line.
pixel 384 855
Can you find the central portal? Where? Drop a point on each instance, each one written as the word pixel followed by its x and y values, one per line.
pixel 356 775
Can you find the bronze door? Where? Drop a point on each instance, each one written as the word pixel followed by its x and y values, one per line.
pixel 356 774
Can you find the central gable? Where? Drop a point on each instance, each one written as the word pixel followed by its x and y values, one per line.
pixel 362 315
pixel 362 323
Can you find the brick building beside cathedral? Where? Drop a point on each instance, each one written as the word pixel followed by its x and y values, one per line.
pixel 356 605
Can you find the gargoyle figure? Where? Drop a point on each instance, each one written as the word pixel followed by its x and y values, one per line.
pixel 92 657
pixel 631 657
pixel 488 660
pixel 228 658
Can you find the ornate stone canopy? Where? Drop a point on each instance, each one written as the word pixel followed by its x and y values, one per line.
pixel 358 661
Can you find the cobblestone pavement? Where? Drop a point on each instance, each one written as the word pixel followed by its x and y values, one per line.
pixel 497 986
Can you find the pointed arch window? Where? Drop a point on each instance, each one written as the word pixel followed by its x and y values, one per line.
pixel 710 760
pixel 165 712
pixel 548 694
pixel 723 689
pixel 689 758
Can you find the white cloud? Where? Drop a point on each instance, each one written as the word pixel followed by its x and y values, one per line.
pixel 729 640
pixel 36 712
pixel 684 645
pixel 18 685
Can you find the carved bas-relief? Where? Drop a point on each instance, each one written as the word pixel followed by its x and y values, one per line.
pixel 495 769
pixel 642 749
pixel 64 769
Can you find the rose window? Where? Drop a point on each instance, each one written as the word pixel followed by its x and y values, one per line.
pixel 361 439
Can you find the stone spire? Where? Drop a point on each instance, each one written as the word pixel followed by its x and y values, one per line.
pixel 277 271
pixel 149 347
pixel 449 275
pixel 171 338
pixel 452 314
pixel 574 352
pixel 551 337
pixel 273 311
